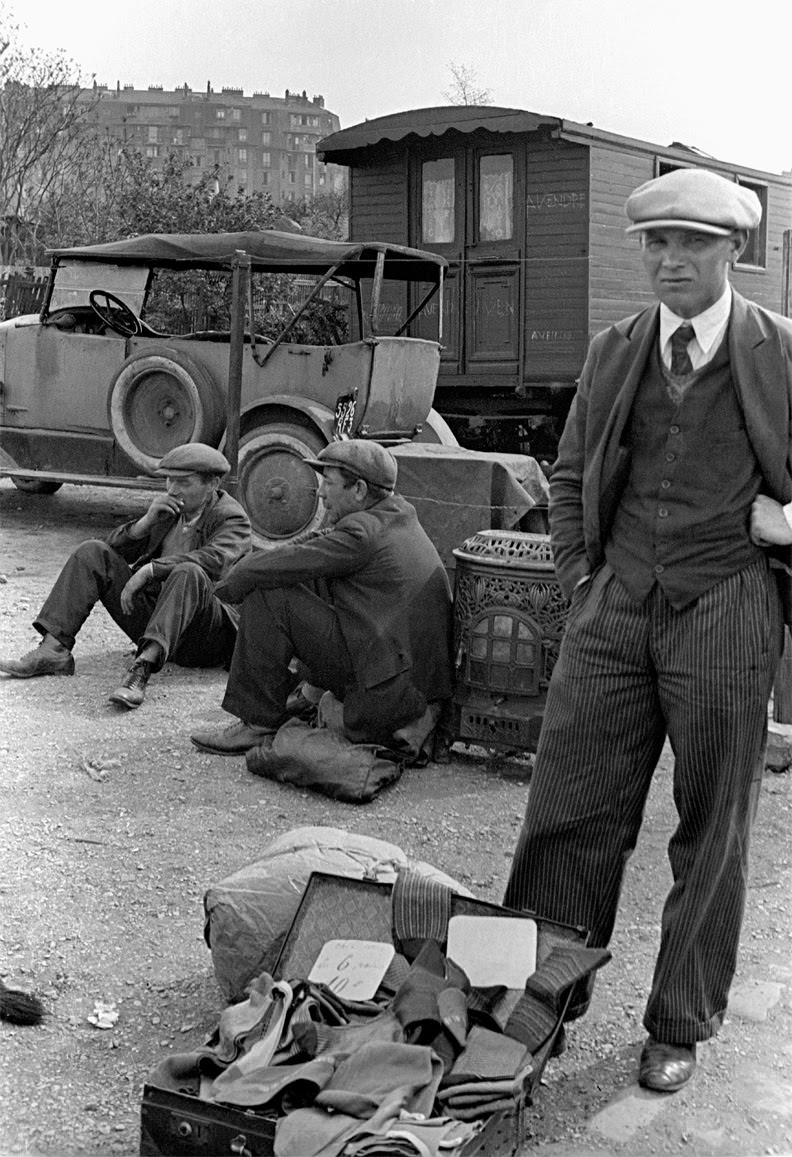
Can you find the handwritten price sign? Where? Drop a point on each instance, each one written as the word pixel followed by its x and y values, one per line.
pixel 352 968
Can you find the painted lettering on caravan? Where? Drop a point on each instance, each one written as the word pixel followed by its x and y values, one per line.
pixel 543 202
pixel 496 307
pixel 552 335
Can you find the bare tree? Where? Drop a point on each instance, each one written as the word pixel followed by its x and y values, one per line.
pixel 43 112
pixel 464 86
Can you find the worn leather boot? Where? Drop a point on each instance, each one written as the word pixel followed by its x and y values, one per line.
pixel 132 690
pixel 48 658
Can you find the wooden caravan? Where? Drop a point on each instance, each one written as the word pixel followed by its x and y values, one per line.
pixel 529 212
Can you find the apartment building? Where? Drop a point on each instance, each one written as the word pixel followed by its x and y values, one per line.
pixel 257 142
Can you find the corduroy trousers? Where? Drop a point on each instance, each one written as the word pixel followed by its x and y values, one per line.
pixel 628 675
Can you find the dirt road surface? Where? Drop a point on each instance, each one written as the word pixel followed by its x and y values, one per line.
pixel 112 826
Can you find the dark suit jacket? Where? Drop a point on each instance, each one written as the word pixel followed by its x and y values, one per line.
pixel 387 584
pixel 593 462
pixel 223 536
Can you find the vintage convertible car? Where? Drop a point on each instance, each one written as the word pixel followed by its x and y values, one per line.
pixel 95 389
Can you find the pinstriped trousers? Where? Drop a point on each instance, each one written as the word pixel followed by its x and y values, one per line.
pixel 628 675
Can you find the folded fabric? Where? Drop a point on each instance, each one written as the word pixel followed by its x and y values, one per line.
pixel 420 910
pixel 179 1073
pixel 313 1039
pixel 489 1056
pixel 478 1111
pixel 365 1079
pixel 563 968
pixel 261 1014
pixel 274 1086
pixel 482 1004
pixel 411 1136
pixel 314 1132
pixel 431 1004
pixel 480 1090
pixel 537 1013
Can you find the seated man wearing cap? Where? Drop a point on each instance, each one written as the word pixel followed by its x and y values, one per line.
pixel 672 480
pixel 363 604
pixel 154 576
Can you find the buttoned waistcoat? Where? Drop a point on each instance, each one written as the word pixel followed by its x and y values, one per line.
pixel 593 459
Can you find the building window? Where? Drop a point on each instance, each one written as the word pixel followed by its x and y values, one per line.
pixel 152 134
pixel 265 178
pixel 266 159
pixel 236 114
pixel 242 156
pixel 496 197
pixel 438 193
pixel 152 151
pixel 242 134
pixel 265 118
pixel 220 114
pixel 755 252
pixel 266 138
pixel 292 178
pixel 178 137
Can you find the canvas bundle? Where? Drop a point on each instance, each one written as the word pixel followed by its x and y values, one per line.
pixel 324 761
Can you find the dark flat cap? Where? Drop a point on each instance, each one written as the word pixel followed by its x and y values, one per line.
pixel 366 460
pixel 193 458
pixel 693 199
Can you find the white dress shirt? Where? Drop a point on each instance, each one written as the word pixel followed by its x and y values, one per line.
pixel 709 327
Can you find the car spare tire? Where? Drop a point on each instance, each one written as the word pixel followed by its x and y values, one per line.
pixel 161 400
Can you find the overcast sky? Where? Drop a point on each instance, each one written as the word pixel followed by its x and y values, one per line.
pixel 711 73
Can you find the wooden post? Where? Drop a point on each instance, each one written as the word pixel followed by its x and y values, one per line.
pixel 782 689
pixel 241 266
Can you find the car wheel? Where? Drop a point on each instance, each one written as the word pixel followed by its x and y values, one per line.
pixel 161 400
pixel 35 485
pixel 277 488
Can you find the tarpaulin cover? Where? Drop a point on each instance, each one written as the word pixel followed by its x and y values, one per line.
pixel 458 492
pixel 248 914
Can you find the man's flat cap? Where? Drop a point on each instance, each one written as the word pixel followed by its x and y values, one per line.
pixel 194 458
pixel 366 460
pixel 693 199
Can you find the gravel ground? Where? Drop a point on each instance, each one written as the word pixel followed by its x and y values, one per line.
pixel 113 826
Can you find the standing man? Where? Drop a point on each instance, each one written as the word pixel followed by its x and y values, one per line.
pixel 672 480
pixel 364 605
pixel 155 577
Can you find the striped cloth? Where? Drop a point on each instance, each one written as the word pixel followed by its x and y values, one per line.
pixel 628 674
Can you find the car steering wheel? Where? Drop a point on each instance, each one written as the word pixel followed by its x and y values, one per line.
pixel 115 313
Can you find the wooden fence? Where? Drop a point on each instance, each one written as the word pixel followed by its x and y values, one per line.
pixel 20 293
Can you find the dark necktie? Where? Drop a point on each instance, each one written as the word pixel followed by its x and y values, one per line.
pixel 680 358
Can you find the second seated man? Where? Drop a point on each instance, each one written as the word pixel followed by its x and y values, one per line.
pixel 364 604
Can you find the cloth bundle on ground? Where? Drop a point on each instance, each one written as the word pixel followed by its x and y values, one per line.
pixel 248 914
pixel 322 760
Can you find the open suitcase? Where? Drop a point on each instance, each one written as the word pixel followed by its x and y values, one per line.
pixel 178 1125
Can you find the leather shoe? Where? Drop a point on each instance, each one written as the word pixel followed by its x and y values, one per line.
pixel 42 660
pixel 666 1068
pixel 132 690
pixel 235 739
